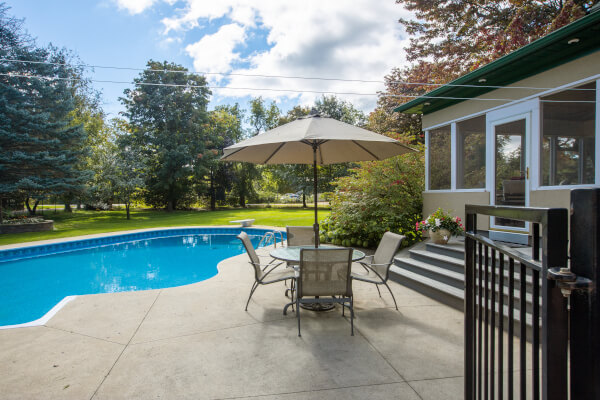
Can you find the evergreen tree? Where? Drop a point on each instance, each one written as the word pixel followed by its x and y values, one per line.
pixel 39 145
pixel 168 125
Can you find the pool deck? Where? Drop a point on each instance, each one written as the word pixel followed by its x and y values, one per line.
pixel 197 342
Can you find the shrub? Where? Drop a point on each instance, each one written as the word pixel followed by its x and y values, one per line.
pixel 377 197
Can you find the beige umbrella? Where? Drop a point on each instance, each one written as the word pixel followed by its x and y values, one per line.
pixel 314 139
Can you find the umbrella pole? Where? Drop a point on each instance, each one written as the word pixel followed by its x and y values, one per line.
pixel 316 225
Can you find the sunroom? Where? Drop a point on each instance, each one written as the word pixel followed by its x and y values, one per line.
pixel 520 131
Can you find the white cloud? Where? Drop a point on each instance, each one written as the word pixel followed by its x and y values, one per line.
pixel 215 53
pixel 135 6
pixel 349 39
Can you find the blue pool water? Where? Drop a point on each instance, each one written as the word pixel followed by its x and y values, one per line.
pixel 31 285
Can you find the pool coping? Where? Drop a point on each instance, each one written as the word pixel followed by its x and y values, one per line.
pixel 82 239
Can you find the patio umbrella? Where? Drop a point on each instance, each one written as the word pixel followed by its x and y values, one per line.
pixel 317 140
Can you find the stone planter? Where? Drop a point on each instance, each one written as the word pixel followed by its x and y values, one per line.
pixel 441 236
pixel 21 228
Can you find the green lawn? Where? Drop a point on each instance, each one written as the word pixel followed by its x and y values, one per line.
pixel 89 222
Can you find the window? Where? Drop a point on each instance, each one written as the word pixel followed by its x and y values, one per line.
pixel 568 137
pixel 439 158
pixel 471 153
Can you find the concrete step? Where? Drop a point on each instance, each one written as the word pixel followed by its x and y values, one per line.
pixel 433 288
pixel 454 250
pixel 439 260
pixel 441 274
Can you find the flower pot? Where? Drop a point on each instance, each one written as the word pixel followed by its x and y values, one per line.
pixel 441 236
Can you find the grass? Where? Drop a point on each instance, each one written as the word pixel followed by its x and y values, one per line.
pixel 89 222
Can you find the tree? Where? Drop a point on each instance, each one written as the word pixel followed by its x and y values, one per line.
pixel 40 146
pixel 451 38
pixel 225 129
pixel 168 117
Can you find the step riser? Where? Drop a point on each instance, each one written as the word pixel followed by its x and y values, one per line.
pixel 428 291
pixel 405 264
pixel 458 303
pixel 446 251
pixel 438 263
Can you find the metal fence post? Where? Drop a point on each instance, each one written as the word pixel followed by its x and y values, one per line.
pixel 585 305
pixel 554 308
pixel 469 307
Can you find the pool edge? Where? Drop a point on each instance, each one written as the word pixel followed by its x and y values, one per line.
pixel 42 321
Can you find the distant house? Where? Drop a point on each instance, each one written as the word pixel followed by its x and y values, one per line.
pixel 522 130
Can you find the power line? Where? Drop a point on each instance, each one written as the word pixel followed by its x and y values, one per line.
pixel 165 70
pixel 188 86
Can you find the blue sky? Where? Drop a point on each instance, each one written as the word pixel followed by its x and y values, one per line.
pixel 347 39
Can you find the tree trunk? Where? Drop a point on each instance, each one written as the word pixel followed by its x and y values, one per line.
pixel 213 199
pixel 243 200
pixel 1 216
pixel 127 209
pixel 35 206
pixel 303 199
pixel 29 210
pixel 68 207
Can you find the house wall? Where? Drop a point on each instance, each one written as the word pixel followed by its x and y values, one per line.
pixel 564 74
pixel 455 203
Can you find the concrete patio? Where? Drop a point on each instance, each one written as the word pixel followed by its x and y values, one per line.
pixel 197 342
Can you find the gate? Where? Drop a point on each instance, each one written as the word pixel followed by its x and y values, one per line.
pixel 517 316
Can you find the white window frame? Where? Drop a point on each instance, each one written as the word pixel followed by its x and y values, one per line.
pixel 452 160
pixel 534 184
pixel 537 137
pixel 529 111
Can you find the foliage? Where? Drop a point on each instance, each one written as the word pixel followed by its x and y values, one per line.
pixel 167 129
pixel 440 219
pixel 451 38
pixel 40 145
pixel 377 197
pixel 224 129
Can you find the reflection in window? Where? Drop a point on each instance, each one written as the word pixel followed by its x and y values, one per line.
pixel 568 142
pixel 471 153
pixel 439 158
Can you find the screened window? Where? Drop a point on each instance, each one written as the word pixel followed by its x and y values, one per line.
pixel 568 137
pixel 439 158
pixel 471 153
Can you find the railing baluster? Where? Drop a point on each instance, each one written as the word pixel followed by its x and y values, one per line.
pixel 486 327
pixel 535 345
pixel 511 324
pixel 469 309
pixel 501 329
pixel 523 332
pixel 493 328
pixel 480 319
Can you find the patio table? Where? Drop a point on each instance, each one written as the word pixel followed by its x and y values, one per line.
pixel 291 254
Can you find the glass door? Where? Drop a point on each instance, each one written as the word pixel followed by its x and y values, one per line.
pixel 510 174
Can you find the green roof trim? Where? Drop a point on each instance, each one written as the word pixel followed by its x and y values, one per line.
pixel 545 53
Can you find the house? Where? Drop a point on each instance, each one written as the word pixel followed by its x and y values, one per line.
pixel 521 131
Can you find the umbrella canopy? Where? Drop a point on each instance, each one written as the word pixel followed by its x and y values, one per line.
pixel 294 142
pixel 316 140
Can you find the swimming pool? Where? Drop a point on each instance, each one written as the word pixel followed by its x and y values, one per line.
pixel 35 279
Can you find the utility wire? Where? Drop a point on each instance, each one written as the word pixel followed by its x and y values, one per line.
pixel 165 70
pixel 279 90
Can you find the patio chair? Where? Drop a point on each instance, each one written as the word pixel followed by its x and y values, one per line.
pixel 263 273
pixel 325 272
pixel 378 265
pixel 300 235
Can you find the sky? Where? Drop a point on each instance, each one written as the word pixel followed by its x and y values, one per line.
pixel 230 40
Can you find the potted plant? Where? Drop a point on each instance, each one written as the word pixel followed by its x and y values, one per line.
pixel 441 225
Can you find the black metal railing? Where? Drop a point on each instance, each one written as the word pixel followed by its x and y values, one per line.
pixel 516 319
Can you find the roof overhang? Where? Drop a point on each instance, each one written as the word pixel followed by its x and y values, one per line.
pixel 545 53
